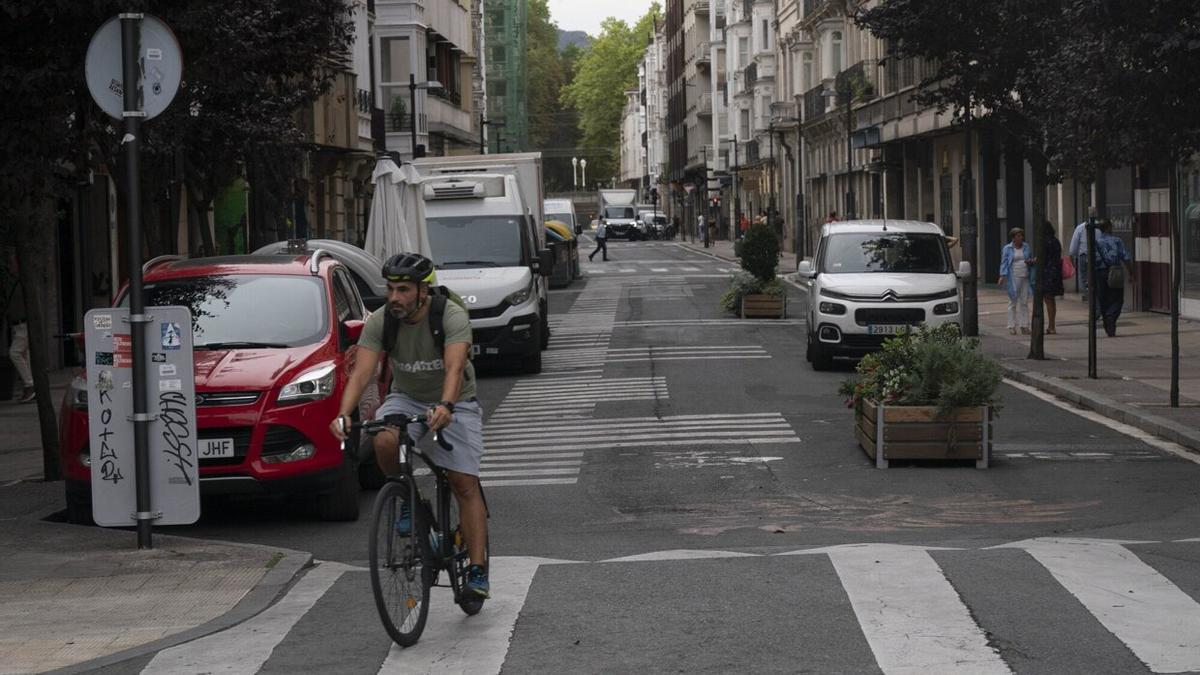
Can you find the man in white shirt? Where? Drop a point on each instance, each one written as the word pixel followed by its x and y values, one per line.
pixel 1078 251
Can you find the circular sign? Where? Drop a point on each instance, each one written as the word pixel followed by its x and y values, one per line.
pixel 161 67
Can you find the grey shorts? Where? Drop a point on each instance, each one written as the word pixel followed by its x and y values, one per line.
pixel 465 433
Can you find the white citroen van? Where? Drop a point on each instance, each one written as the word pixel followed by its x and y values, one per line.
pixel 872 279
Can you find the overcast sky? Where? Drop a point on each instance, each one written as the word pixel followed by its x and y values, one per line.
pixel 586 15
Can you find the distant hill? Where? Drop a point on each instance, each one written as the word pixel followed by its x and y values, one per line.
pixel 573 37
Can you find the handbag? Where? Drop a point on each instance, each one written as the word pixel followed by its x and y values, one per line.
pixel 1068 268
pixel 1116 276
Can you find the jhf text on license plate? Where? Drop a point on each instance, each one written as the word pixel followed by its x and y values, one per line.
pixel 216 447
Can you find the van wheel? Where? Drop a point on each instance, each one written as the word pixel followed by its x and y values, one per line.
pixel 532 364
pixel 821 358
pixel 545 325
pixel 341 503
pixel 79 510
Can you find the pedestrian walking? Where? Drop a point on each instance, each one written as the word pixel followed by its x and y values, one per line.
pixel 601 241
pixel 1113 264
pixel 1015 275
pixel 702 231
pixel 743 225
pixel 1077 249
pixel 18 346
pixel 1050 274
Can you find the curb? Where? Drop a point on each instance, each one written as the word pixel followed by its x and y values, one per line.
pixel 270 588
pixel 1153 424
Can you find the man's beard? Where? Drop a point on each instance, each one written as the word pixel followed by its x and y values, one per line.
pixel 403 312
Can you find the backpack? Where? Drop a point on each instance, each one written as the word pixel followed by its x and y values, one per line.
pixel 438 297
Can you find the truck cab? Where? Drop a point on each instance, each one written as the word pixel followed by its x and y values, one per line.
pixel 489 247
pixel 618 213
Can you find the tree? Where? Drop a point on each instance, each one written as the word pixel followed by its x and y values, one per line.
pixel 248 67
pixel 988 55
pixel 605 71
pixel 552 129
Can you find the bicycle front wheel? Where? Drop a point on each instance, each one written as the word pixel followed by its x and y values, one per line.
pixel 400 577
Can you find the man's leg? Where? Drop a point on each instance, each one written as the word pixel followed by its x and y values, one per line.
pixel 472 515
pixel 604 246
pixel 18 352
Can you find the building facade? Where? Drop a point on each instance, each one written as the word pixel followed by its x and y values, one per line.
pixel 632 164
pixel 506 28
pixel 421 43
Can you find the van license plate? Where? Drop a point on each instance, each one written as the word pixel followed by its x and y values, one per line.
pixel 887 329
pixel 216 447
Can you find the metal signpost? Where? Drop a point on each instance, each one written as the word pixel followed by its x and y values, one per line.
pixel 127 53
pixel 172 449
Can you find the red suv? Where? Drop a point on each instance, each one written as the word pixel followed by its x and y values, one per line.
pixel 274 343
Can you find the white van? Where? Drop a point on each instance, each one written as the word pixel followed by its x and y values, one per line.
pixel 563 210
pixel 872 279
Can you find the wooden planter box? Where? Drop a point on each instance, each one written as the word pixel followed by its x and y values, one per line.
pixel 764 306
pixel 915 432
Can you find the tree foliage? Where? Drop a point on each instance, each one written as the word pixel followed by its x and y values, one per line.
pixel 602 75
pixel 552 129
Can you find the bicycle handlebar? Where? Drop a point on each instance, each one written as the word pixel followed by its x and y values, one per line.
pixel 373 427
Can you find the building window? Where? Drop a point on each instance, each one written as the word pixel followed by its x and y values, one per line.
pixel 395 58
pixel 835 53
pixel 766 33
pixel 806 72
pixel 744 123
pixel 743 51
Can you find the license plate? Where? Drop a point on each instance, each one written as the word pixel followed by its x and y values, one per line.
pixel 211 448
pixel 887 329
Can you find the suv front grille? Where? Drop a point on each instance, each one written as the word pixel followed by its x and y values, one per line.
pixel 889 315
pixel 214 398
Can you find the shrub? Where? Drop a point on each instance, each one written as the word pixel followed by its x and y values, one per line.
pixel 742 283
pixel 931 367
pixel 759 252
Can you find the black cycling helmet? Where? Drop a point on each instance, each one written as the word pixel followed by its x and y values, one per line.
pixel 412 267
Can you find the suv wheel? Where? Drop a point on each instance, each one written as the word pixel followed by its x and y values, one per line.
pixel 341 503
pixel 819 355
pixel 532 364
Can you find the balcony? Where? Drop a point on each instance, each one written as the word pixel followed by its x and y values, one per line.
pixel 704 54
pixel 701 7
pixel 814 104
pixel 766 66
pixel 858 80
pixel 705 106
pixel 783 112
pixel 749 77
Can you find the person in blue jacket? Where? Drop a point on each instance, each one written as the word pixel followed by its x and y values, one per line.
pixel 1016 274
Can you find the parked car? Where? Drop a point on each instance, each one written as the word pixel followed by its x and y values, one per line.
pixel 872 279
pixel 274 337
pixel 657 225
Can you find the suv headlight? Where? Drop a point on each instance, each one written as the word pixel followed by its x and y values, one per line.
pixel 78 393
pixel 313 385
pixel 520 296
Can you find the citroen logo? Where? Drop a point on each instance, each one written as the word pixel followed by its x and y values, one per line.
pixel 890 296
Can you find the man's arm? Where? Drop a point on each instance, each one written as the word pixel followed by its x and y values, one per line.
pixel 365 361
pixel 1073 249
pixel 455 358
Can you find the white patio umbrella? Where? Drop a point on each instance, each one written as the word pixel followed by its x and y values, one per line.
pixel 397 222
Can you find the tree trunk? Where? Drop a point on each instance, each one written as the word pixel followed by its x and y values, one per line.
pixel 199 223
pixel 1034 234
pixel 35 219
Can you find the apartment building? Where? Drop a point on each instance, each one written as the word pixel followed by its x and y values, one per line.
pixel 632 166
pixel 431 45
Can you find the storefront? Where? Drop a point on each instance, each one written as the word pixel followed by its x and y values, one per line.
pixel 1189 210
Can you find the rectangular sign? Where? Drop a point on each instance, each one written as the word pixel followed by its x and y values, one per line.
pixel 174 449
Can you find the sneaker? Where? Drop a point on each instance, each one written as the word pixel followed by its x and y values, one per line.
pixel 28 396
pixel 477 582
pixel 404 521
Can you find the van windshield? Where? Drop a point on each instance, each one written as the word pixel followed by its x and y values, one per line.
pixel 625 212
pixel 564 218
pixel 475 241
pixel 859 252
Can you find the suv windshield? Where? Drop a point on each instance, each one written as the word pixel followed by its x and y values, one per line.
pixel 247 310
pixel 621 212
pixel 476 241
pixel 858 252
pixel 564 218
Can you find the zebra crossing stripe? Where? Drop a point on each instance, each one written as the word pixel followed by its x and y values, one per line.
pixel 244 648
pixel 1152 616
pixel 912 617
pixel 552 430
pixel 499 458
pixel 740 420
pixel 642 443
pixel 521 482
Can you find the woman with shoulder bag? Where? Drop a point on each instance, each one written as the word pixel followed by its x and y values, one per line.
pixel 1112 263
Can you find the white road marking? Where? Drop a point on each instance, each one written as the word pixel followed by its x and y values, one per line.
pixel 911 616
pixel 598 445
pixel 244 648
pixel 1131 431
pixel 504 457
pixel 681 554
pixel 1151 615
pixel 520 482
pixel 456 643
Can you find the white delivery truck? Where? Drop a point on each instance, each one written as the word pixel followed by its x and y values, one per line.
pixel 484 217
pixel 619 214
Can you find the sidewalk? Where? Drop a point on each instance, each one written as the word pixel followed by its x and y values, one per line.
pixel 1134 368
pixel 81 598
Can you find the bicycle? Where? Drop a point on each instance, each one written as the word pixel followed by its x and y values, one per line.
pixel 404 567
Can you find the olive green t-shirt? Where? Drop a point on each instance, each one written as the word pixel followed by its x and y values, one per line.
pixel 417 366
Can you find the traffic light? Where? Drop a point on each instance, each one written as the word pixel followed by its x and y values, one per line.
pixel 653 195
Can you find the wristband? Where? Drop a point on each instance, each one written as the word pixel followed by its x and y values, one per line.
pixel 448 405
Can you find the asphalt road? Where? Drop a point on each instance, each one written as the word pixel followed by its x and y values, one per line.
pixel 680 492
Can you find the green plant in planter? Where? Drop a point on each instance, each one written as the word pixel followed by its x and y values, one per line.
pixel 931 367
pixel 758 256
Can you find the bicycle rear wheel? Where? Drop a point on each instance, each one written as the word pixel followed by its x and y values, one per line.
pixel 400 576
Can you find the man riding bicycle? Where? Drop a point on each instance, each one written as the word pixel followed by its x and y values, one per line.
pixel 424 379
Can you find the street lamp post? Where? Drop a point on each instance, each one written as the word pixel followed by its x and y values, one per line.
pixel 575 173
pixel 737 195
pixel 970 237
pixel 413 86
pixel 583 173
pixel 849 146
